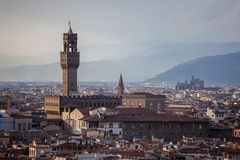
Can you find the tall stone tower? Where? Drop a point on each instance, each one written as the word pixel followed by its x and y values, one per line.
pixel 69 63
pixel 120 86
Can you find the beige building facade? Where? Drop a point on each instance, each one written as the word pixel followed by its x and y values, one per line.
pixel 37 150
pixel 73 121
pixel 144 100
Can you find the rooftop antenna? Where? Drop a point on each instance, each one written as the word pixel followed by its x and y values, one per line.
pixel 69 23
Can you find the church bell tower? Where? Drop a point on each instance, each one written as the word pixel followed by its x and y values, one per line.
pixel 120 86
pixel 69 58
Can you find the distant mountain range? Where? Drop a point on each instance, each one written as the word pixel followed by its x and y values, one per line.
pixel 144 64
pixel 220 69
pixel 166 56
pixel 133 69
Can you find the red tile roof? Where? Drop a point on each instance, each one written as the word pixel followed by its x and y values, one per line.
pixel 144 118
pixel 134 111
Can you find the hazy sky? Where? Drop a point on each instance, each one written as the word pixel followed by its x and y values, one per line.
pixel 31 27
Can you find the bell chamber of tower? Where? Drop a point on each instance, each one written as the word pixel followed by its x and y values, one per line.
pixel 69 59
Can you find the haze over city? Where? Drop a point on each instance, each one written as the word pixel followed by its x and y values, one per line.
pixel 111 29
pixel 120 80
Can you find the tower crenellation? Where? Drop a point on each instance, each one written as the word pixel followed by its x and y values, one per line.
pixel 69 58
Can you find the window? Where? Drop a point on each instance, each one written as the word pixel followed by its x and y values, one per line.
pixel 193 126
pixel 133 126
pixel 136 146
pixel 24 126
pixel 29 126
pixel 139 105
pixel 151 106
pixel 111 131
pixel 119 125
pixel 19 126
pixel 110 125
pixel 159 106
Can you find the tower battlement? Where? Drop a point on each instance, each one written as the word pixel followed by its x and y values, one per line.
pixel 69 60
pixel 73 54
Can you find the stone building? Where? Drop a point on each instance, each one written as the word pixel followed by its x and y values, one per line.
pixel 144 100
pixel 37 150
pixel 110 123
pixel 55 105
pixel 168 127
pixel 15 122
pixel 73 120
pixel 22 123
pixel 216 115
pixel 147 124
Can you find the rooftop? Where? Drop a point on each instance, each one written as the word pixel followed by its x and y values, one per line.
pixel 145 118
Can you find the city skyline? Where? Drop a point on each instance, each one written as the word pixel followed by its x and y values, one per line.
pixel 117 80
